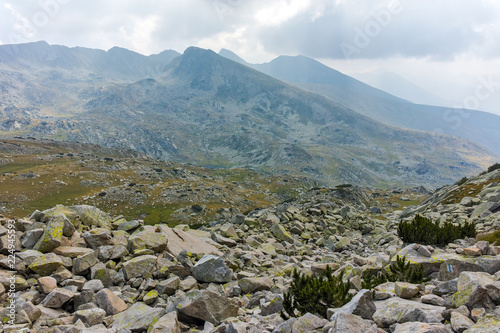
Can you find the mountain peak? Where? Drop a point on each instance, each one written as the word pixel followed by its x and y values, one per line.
pixel 232 56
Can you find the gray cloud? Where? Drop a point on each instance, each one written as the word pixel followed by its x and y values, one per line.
pixel 375 29
pixel 332 29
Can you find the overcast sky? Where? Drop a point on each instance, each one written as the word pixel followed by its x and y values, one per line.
pixel 431 37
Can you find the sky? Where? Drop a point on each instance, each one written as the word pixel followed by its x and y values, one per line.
pixel 456 42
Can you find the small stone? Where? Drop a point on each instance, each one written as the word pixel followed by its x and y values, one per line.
pixel 46 284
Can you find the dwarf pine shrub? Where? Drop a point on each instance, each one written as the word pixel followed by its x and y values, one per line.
pixel 400 270
pixel 423 231
pixel 315 294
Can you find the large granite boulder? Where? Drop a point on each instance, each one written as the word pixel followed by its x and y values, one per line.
pixel 211 268
pixel 198 306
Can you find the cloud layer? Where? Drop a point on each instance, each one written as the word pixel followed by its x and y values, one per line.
pixel 336 29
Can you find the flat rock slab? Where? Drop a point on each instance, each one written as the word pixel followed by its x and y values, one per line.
pixel 399 310
pixel 71 251
pixel 179 240
pixel 137 318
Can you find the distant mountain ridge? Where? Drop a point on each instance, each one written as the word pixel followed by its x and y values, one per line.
pixel 206 109
pixel 311 75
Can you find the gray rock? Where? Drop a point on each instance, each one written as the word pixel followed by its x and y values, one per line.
pixel 459 322
pixel 136 318
pixel 90 317
pixel 46 264
pixel 212 268
pixel 281 234
pixel 347 322
pixel 51 237
pixel 169 286
pixel 147 237
pixel 308 323
pixel 203 305
pixel 138 266
pixel 253 284
pixel 432 299
pixel 398 310
pixel 84 262
pixel 57 297
pixel 405 290
pixel 273 306
pixel 110 302
pixel 361 305
pixel 167 324
pixel 97 237
pixel 31 237
pixel 418 327
pixel 446 287
pixel 472 290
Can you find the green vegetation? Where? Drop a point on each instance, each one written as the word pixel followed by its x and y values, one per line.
pixel 462 181
pixel 493 167
pixel 422 230
pixel 401 270
pixel 492 237
pixel 315 294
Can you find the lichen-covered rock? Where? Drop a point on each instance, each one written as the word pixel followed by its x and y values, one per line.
pixel 308 323
pixel 281 234
pixel 82 215
pixel 475 290
pixel 167 324
pixel 110 302
pixel 84 262
pixel 211 268
pixel 90 317
pixel 147 237
pixel 405 290
pixel 398 310
pixel 51 237
pixel 347 322
pixel 46 264
pixel 57 297
pixel 138 266
pixel 137 318
pixel 97 237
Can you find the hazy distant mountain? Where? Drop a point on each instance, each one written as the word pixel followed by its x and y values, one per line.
pixel 400 87
pixel 206 109
pixel 309 74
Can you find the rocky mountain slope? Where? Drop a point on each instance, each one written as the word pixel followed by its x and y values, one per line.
pixel 79 269
pixel 205 109
pixel 308 74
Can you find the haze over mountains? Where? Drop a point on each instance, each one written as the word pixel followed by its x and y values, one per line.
pixel 203 108
pixel 309 74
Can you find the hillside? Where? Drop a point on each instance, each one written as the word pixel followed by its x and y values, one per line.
pixel 205 109
pixel 105 272
pixel 480 127
pixel 40 174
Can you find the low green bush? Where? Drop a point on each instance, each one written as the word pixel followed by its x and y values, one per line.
pixel 423 231
pixel 315 294
pixel 400 270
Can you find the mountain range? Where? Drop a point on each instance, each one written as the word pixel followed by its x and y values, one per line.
pixel 290 116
